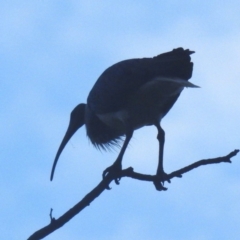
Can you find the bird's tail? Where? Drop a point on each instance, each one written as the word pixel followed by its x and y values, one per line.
pixel 175 64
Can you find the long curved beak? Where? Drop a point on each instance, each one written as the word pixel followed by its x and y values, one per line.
pixel 76 121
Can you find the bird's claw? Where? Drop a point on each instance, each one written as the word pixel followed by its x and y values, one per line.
pixel 113 172
pixel 159 181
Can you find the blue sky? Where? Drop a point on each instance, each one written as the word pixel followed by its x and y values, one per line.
pixel 51 53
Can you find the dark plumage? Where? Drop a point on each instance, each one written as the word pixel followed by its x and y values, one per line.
pixel 127 96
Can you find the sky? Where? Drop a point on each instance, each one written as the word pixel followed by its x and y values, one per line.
pixel 51 54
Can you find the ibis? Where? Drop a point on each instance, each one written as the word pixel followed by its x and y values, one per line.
pixel 127 96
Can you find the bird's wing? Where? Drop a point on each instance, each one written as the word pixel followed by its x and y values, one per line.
pixel 117 83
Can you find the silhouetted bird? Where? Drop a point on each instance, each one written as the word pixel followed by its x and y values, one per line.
pixel 127 96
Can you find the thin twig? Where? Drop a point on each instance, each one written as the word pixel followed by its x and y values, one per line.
pixel 57 223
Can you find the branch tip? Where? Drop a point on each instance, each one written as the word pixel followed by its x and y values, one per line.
pixel 51 217
pixel 230 155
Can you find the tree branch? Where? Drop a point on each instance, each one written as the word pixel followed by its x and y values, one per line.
pixel 57 223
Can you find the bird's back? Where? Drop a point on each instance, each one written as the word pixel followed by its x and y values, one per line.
pixel 117 83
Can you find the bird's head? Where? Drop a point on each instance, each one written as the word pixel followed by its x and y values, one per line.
pixel 77 119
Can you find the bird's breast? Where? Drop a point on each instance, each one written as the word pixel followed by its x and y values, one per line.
pixel 115 120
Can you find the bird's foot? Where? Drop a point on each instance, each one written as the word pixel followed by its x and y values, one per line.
pixel 113 172
pixel 160 178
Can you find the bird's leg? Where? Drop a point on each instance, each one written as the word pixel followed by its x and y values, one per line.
pixel 161 176
pixel 116 168
pixel 161 140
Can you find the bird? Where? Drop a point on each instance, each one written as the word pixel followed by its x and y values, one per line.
pixel 127 96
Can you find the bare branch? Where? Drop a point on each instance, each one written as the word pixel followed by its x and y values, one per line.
pixel 130 173
pixel 57 223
